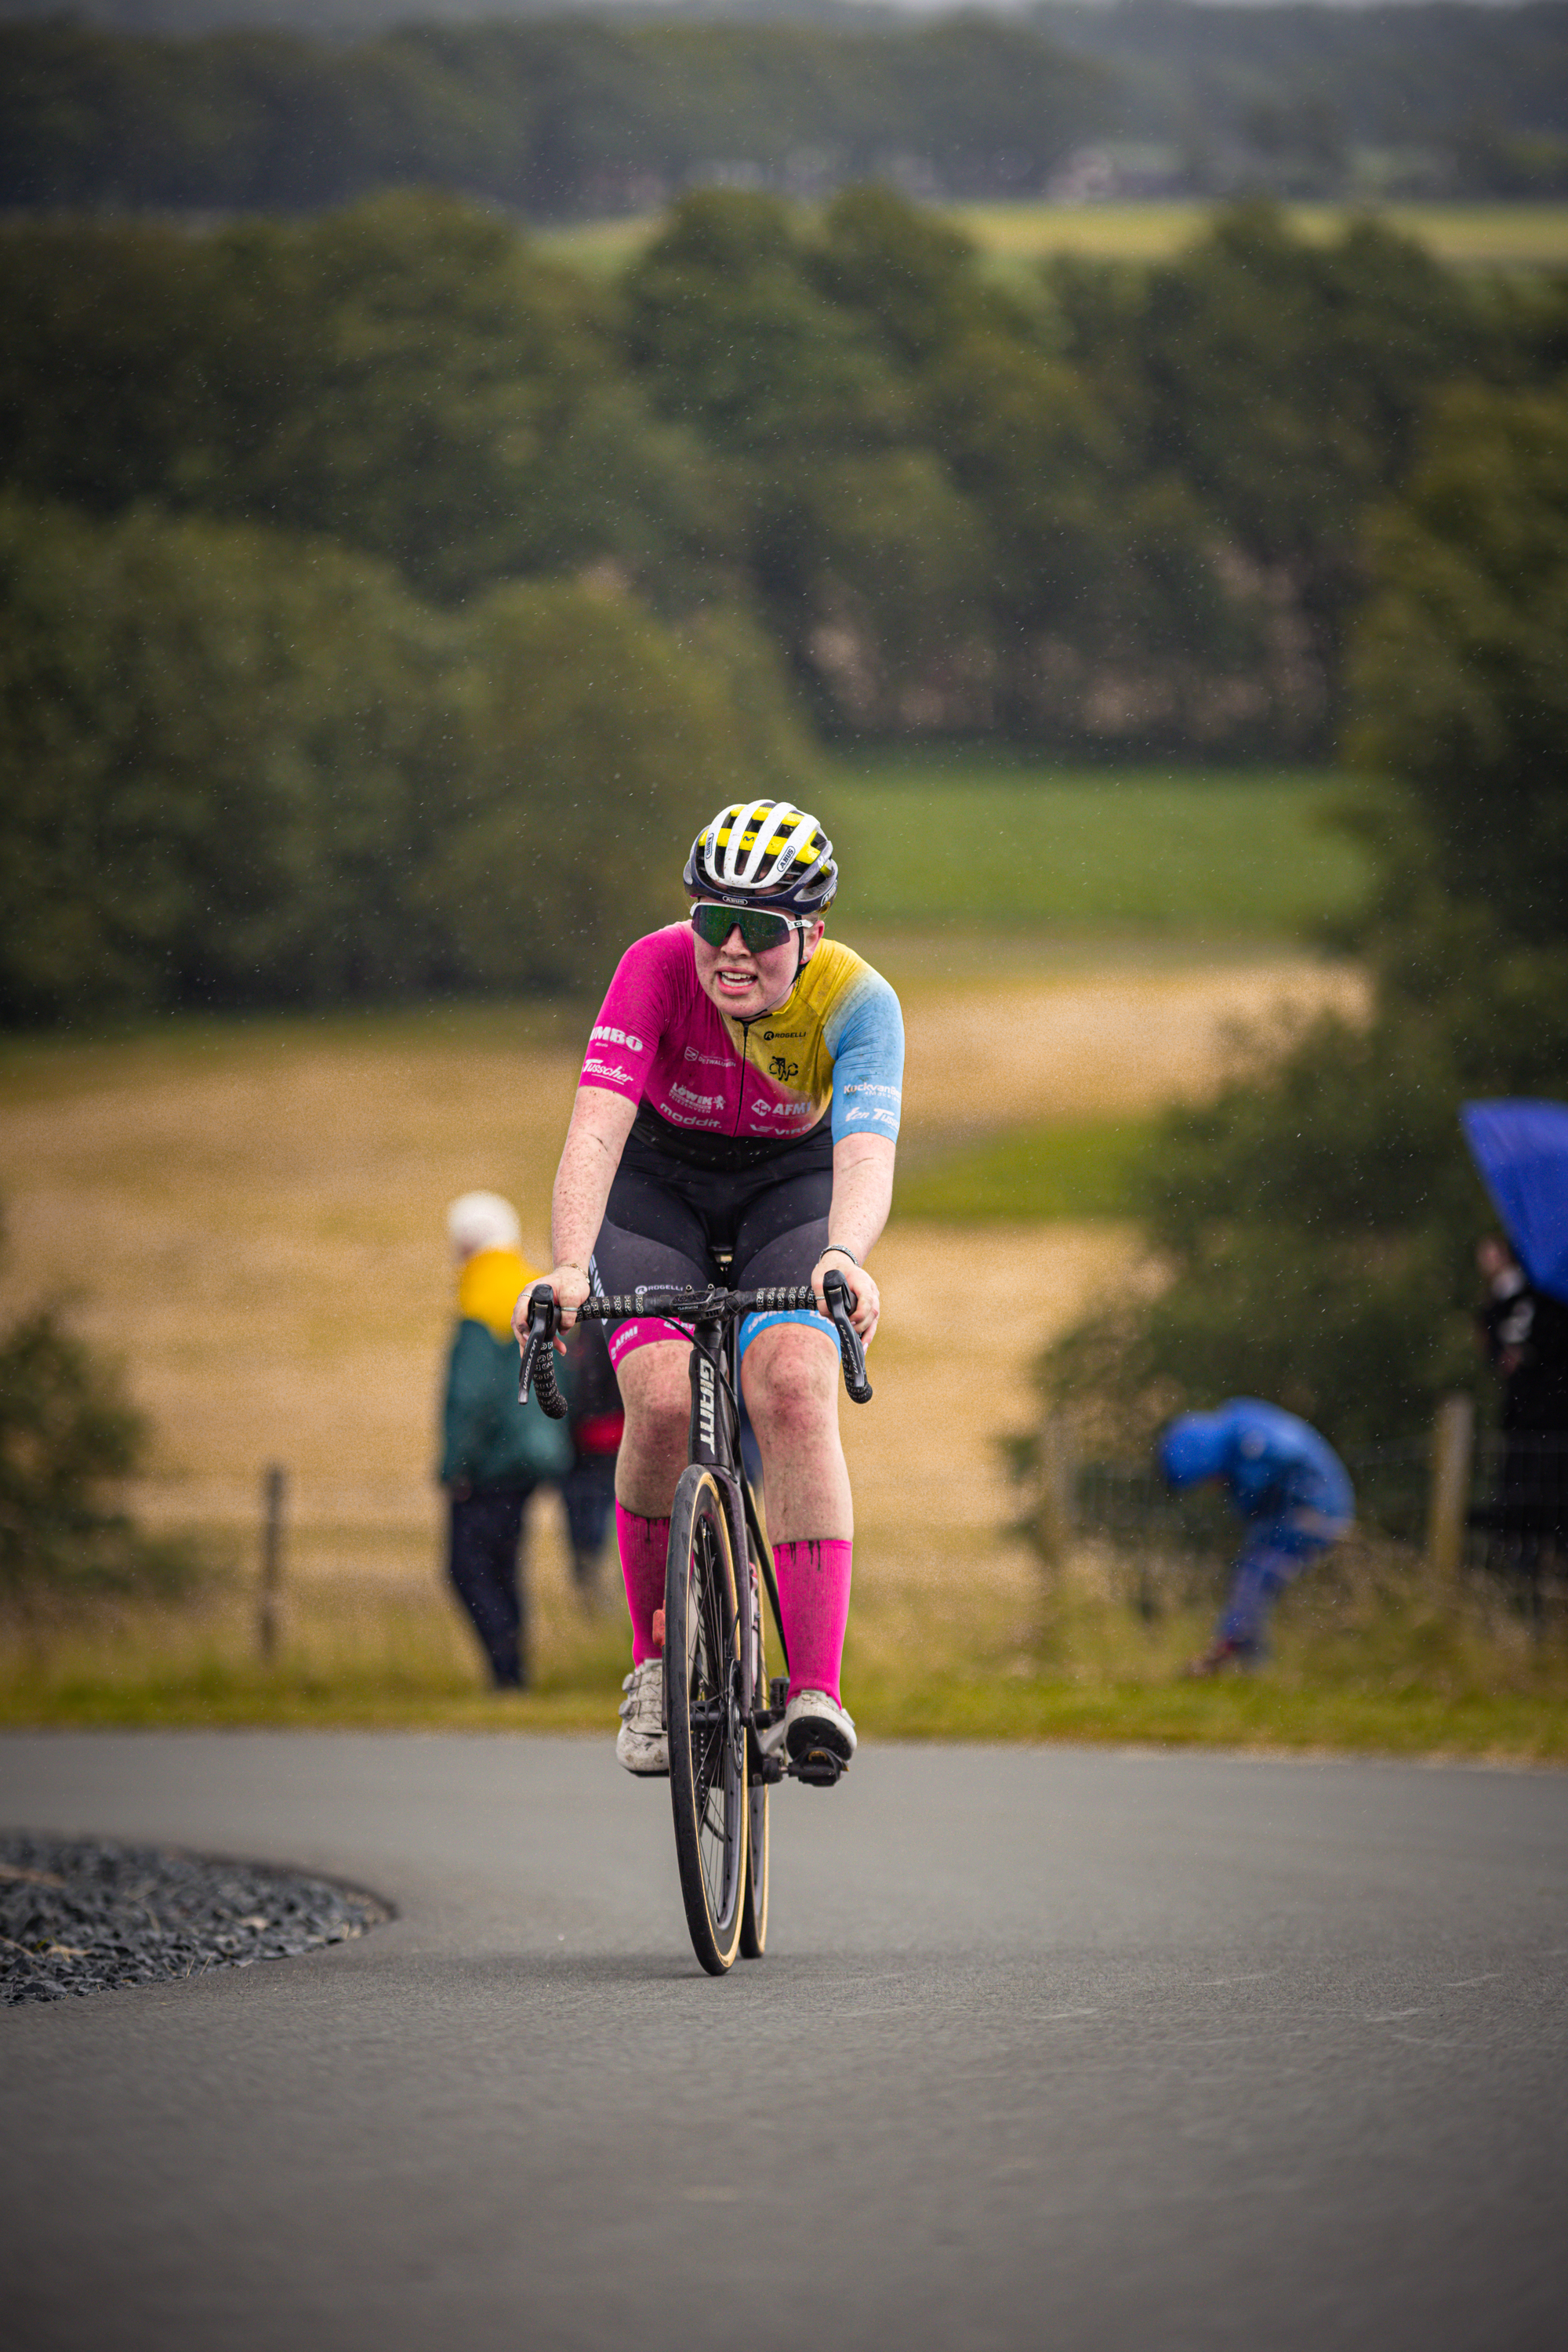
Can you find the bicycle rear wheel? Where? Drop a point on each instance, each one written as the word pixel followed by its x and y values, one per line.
pixel 708 1796
pixel 754 1906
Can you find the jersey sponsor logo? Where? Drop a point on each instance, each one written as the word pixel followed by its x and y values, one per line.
pixel 765 1110
pixel 783 1068
pixel 872 1111
pixel 864 1087
pixel 607 1036
pixel 592 1068
pixel 768 1035
pixel 694 1101
pixel 709 1061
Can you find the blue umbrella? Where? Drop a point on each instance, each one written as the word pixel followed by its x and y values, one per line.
pixel 1522 1151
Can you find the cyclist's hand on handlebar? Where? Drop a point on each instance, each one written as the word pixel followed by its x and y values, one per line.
pixel 570 1286
pixel 865 1299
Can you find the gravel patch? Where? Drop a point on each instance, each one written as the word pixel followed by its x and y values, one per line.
pixel 79 1915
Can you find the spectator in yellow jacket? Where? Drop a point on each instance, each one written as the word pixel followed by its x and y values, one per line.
pixel 495 1451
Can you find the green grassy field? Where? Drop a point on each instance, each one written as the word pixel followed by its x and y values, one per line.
pixel 1476 236
pixel 1080 1169
pixel 976 838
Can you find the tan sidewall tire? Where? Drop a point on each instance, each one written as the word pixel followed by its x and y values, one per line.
pixel 754 1910
pixel 697 1498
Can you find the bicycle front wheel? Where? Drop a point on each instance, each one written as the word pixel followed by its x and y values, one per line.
pixel 708 1796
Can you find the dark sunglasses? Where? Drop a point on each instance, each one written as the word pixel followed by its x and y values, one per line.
pixel 761 927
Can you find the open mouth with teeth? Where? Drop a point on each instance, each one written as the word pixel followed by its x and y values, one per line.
pixel 736 980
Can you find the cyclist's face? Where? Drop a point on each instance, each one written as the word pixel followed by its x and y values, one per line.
pixel 743 984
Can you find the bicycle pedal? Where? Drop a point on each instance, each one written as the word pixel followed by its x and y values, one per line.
pixel 819 1768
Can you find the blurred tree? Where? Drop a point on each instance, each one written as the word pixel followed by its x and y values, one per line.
pixel 203 737
pixel 1317 1220
pixel 858 546
pixel 238 768
pixel 592 743
pixel 725 326
pixel 942 524
pixel 561 115
pixel 70 1437
pixel 1461 676
pixel 1133 519
pixel 1283 380
pixel 408 377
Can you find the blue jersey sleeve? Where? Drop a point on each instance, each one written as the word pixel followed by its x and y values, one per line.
pixel 864 1032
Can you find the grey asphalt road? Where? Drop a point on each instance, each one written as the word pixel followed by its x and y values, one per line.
pixel 1054 2047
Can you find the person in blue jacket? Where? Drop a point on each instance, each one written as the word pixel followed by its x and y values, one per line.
pixel 1289 1485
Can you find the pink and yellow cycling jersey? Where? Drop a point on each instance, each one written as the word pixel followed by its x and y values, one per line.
pixel 837 1039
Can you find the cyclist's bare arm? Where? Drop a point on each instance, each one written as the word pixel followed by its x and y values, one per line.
pixel 601 1123
pixel 862 1196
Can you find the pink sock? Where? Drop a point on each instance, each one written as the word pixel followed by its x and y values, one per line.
pixel 813 1587
pixel 644 1546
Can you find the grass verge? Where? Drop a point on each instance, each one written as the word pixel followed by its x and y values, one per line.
pixel 991 839
pixel 1361 1665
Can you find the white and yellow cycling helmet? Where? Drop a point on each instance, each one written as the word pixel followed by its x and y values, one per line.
pixel 764 849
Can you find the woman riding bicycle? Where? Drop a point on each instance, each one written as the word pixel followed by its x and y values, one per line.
pixel 740 1095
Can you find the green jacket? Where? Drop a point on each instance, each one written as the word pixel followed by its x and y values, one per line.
pixel 489 1439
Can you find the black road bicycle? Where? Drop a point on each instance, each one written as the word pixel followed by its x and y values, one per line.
pixel 718 1699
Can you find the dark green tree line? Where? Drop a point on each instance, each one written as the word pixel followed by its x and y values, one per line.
pixel 554 117
pixel 239 767
pixel 1283 382
pixel 556 114
pixel 409 377
pixel 944 527
pixel 1128 512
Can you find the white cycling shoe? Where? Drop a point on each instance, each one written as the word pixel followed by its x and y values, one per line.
pixel 813 1720
pixel 642 1743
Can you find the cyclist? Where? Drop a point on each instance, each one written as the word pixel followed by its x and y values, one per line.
pixel 741 1091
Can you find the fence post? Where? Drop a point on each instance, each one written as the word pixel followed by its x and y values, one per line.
pixel 1453 1448
pixel 274 1483
pixel 1058 1469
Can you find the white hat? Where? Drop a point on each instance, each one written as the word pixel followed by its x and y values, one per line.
pixel 483 1221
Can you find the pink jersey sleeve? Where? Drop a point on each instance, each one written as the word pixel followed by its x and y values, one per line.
pixel 642 1003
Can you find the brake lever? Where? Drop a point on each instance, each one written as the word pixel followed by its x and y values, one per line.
pixel 851 1354
pixel 537 1369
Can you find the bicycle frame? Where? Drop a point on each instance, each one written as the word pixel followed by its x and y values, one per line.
pixel 712 1317
pixel 714 1442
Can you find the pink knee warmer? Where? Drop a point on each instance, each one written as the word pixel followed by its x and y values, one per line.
pixel 644 1547
pixel 813 1589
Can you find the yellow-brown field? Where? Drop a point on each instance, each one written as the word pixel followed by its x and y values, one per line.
pixel 1469 237
pixel 251 1215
